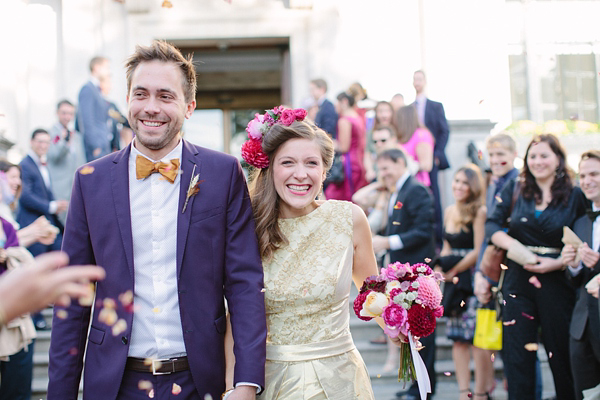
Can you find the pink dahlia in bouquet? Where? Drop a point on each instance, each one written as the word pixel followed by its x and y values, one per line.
pixel 408 298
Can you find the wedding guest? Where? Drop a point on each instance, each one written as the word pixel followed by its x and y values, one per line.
pixel 383 117
pixel 408 234
pixel 92 115
pixel 119 128
pixel 584 340
pixel 40 230
pixel 326 117
pixel 417 141
pixel 537 294
pixel 351 143
pixel 65 154
pixel 502 152
pixel 311 252
pixel 397 102
pixel 176 219
pixel 464 225
pixel 432 116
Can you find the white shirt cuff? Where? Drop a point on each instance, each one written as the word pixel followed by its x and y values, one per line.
pixel 52 207
pixel 249 384
pixel 576 270
pixel 395 242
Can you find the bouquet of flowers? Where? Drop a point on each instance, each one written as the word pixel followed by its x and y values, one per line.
pixel 408 298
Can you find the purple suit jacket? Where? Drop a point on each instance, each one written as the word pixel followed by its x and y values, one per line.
pixel 217 256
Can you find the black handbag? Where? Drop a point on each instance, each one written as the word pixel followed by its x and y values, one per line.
pixel 336 173
pixel 456 294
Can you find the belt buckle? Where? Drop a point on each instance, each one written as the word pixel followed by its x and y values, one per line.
pixel 157 363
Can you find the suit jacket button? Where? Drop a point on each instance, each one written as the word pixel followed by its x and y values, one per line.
pixel 124 339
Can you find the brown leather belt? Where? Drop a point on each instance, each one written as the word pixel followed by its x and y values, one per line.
pixel 157 366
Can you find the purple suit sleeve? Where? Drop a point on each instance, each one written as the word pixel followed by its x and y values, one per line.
pixel 69 334
pixel 244 284
pixel 11 234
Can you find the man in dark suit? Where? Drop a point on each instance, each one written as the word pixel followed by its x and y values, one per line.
pixel 408 234
pixel 92 114
pixel 584 344
pixel 326 118
pixel 431 114
pixel 37 198
pixel 176 219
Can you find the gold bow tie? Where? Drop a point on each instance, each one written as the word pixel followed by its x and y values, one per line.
pixel 145 168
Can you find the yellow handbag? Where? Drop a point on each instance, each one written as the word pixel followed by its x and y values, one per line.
pixel 488 331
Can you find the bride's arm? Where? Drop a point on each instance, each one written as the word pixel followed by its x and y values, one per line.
pixel 364 263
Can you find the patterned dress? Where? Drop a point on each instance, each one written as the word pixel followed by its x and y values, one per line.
pixel 310 352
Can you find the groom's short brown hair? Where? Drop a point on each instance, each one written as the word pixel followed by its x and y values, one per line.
pixel 166 52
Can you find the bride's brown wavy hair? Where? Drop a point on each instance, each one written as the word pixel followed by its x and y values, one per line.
pixel 265 200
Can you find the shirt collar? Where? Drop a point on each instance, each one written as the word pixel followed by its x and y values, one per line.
pixel 35 158
pixel 95 81
pixel 421 98
pixel 175 153
pixel 402 181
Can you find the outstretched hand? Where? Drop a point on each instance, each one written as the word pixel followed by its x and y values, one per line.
pixel 34 286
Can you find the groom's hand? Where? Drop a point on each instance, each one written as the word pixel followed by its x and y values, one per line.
pixel 243 392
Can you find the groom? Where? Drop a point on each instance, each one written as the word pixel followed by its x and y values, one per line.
pixel 172 252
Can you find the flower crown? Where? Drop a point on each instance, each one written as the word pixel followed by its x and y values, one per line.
pixel 252 151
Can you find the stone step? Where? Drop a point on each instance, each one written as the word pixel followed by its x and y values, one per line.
pixel 42 342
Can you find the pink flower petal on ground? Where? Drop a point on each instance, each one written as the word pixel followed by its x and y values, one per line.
pixel 535 281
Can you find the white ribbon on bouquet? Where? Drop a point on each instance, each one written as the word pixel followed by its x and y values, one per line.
pixel 420 370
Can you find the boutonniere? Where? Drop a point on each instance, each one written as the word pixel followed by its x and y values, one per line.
pixel 193 188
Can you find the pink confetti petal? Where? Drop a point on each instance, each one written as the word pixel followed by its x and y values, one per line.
pixel 493 357
pixel 508 323
pixel 535 281
pixel 447 373
pixel 455 280
pixel 176 389
pixel 119 327
pixel 527 316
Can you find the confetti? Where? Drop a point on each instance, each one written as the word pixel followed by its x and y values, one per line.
pixel 86 170
pixel 462 303
pixel 395 223
pixel 398 205
pixel 145 385
pixel 535 282
pixel 108 316
pixel 176 389
pixel 503 266
pixel 447 373
pixel 263 290
pixel 481 101
pixel 73 351
pixel 514 296
pixel 480 153
pixel 378 376
pixel 87 301
pixel 151 393
pixel 524 219
pixel 531 347
pixel 126 298
pixel 493 357
pixel 498 198
pixel 550 354
pixel 119 327
pixel 508 323
pixel 428 260
pixel 156 310
pixel 455 280
pixel 62 314
pixel 148 361
pixel 167 4
pixel 527 316
pixel 207 396
pixel 109 303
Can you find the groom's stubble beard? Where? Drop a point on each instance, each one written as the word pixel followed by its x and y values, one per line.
pixel 155 143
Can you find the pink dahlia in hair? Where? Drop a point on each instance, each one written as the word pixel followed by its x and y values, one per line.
pixel 429 293
pixel 358 305
pixel 255 127
pixel 252 153
pixel 421 320
pixel 287 117
pixel 300 114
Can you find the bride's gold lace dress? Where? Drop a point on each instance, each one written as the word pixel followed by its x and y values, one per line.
pixel 310 352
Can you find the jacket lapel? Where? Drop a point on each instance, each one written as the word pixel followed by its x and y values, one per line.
pixel 41 177
pixel 396 213
pixel 120 187
pixel 188 160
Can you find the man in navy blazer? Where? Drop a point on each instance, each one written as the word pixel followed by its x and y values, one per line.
pixel 326 118
pixel 584 331
pixel 37 198
pixel 431 114
pixel 92 114
pixel 172 225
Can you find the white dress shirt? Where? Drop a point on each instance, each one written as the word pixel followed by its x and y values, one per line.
pixel 46 177
pixel 395 241
pixel 421 102
pixel 156 331
pixel 595 242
